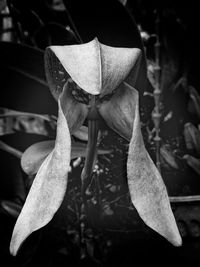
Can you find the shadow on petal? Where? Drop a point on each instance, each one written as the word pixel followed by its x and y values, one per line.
pixel 74 111
pixel 118 113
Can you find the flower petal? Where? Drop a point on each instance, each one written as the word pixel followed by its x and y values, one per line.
pixel 48 189
pixel 147 190
pixel 116 64
pixel 118 112
pixel 96 68
pixel 74 111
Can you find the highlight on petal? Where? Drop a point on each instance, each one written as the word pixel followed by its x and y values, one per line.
pixel 147 190
pixel 96 68
pixel 48 188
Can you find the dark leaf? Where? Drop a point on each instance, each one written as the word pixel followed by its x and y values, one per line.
pixel 193 162
pixel 12 121
pixel 168 157
pixel 192 137
pixel 48 188
pixel 11 207
pixel 20 58
pixel 11 150
pixel 194 103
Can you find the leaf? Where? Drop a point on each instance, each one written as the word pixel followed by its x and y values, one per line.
pixel 12 121
pixel 147 190
pixel 192 137
pixel 193 162
pixel 34 156
pixel 168 157
pixel 11 208
pixel 48 188
pixel 91 66
pixel 195 100
pixel 11 150
pixel 82 133
pixel 32 64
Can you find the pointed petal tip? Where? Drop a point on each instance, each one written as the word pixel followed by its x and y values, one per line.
pixel 176 239
pixel 14 246
pixel 13 251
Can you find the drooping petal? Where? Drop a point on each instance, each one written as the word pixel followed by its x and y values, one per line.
pixel 48 189
pixel 147 190
pixel 96 68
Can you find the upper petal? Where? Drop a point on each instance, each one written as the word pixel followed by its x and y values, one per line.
pixel 96 68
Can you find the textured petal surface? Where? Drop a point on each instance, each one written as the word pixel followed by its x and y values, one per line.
pixel 74 111
pixel 96 68
pixel 116 64
pixel 48 188
pixel 118 112
pixel 147 190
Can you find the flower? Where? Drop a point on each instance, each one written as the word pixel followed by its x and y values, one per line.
pixel 91 80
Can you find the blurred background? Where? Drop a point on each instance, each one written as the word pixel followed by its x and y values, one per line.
pixel 167 32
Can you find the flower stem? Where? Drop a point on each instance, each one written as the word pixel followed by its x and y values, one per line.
pixel 91 150
pixel 156 115
pixel 86 175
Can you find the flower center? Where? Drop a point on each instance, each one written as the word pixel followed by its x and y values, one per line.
pixel 79 94
pixel 83 97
